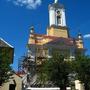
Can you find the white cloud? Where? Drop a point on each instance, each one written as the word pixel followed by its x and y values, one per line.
pixel 87 36
pixel 30 4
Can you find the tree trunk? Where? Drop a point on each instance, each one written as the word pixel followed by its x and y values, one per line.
pixel 86 86
pixel 63 87
pixel 0 83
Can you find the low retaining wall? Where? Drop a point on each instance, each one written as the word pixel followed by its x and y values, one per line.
pixel 43 89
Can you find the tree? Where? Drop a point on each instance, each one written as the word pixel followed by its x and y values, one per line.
pixel 4 68
pixel 82 69
pixel 57 70
pixel 4 72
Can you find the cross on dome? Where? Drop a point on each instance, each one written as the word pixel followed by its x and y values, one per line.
pixel 55 1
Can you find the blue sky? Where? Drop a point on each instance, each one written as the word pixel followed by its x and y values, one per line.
pixel 16 17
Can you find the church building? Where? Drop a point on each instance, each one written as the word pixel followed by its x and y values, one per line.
pixel 57 37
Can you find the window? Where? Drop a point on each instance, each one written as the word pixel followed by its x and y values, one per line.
pixel 58 17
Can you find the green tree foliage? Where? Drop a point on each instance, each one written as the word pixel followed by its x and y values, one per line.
pixel 4 67
pixel 57 70
pixel 82 69
pixel 60 72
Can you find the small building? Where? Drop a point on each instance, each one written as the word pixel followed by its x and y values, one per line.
pixel 6 51
pixel 14 80
pixel 6 57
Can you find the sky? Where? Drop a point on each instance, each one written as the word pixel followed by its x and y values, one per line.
pixel 17 16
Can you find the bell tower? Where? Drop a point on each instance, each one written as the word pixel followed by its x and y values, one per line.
pixel 57 14
pixel 57 20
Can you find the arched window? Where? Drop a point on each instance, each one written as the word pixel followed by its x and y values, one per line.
pixel 58 17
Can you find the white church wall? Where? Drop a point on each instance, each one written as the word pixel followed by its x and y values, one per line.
pixel 52 17
pixel 78 85
pixel 63 17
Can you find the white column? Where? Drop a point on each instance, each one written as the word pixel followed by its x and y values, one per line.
pixel 78 85
pixel 63 18
pixel 51 17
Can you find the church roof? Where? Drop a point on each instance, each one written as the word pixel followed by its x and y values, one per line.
pixel 58 42
pixel 43 35
pixel 67 41
pixel 62 43
pixel 3 43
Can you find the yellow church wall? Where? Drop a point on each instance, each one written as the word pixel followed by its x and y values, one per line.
pixel 31 41
pixel 39 41
pixel 57 32
pixel 79 44
pixel 61 33
pixel 44 41
pixel 50 31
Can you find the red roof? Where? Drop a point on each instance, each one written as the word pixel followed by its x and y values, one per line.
pixel 67 41
pixel 64 41
pixel 20 73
